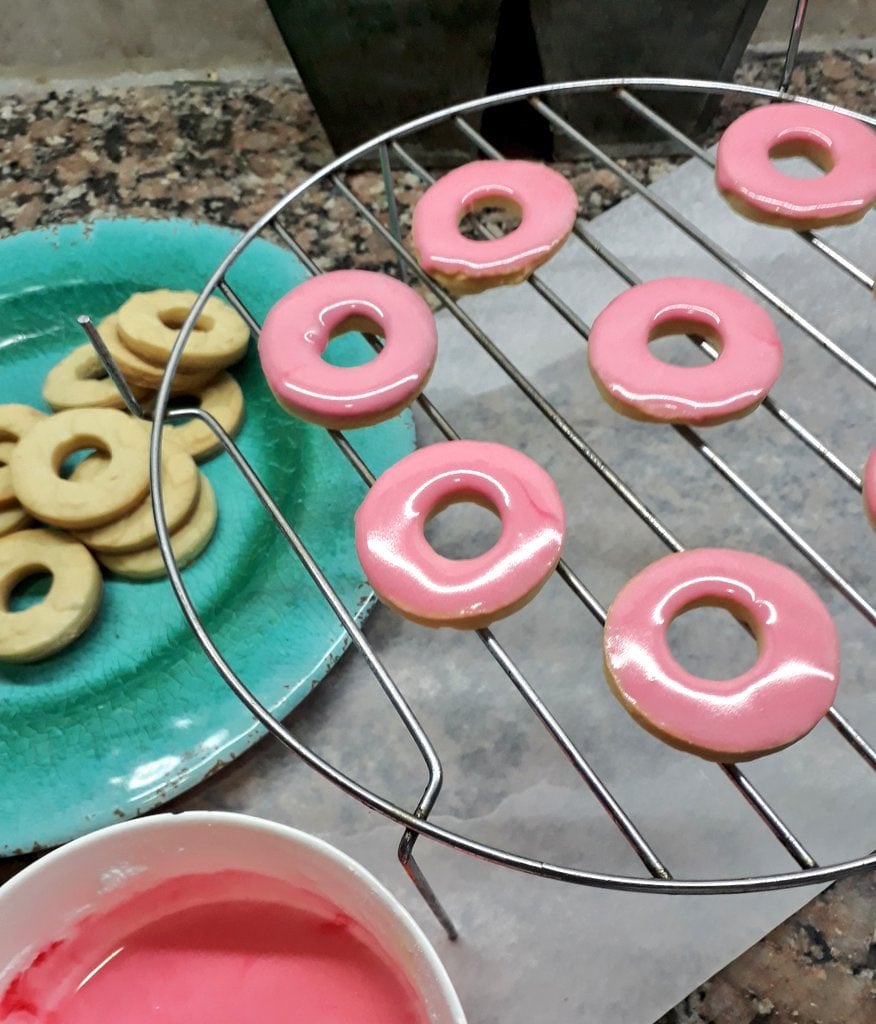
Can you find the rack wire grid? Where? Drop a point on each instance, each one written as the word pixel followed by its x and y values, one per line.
pixel 415 820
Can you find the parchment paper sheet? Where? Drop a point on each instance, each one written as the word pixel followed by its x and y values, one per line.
pixel 533 950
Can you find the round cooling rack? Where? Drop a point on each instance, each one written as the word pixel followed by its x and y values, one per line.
pixel 390 149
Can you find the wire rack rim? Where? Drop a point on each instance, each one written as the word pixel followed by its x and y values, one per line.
pixel 787 880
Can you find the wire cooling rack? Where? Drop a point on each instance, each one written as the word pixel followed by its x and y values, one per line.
pixel 279 223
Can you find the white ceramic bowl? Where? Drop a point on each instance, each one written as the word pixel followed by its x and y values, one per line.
pixel 98 871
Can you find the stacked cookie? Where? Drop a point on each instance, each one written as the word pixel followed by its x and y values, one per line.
pixel 140 336
pixel 103 504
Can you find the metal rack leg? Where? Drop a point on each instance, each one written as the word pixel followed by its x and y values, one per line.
pixel 793 44
pixel 391 205
pixel 111 367
pixel 422 884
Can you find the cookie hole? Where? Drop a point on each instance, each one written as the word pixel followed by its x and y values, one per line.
pixel 6 452
pixel 796 160
pixel 679 350
pixel 346 345
pixel 464 529
pixel 797 167
pixel 711 643
pixel 29 591
pixel 175 318
pixel 670 344
pixel 501 220
pixel 96 372
pixel 72 461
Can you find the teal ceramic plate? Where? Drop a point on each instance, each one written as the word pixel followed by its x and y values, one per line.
pixel 133 713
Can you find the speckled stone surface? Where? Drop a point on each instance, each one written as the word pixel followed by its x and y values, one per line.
pixel 224 153
pixel 816 968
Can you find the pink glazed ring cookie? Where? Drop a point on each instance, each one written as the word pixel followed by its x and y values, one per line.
pixel 778 700
pixel 408 573
pixel 638 384
pixel 299 327
pixel 844 148
pixel 547 205
pixel 870 488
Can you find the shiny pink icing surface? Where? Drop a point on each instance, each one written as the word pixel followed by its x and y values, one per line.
pixel 225 948
pixel 870 487
pixel 409 574
pixel 779 699
pixel 749 363
pixel 299 327
pixel 548 207
pixel 744 168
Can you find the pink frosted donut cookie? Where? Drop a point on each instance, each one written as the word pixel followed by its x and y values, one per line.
pixel 409 574
pixel 638 384
pixel 777 701
pixel 299 327
pixel 547 205
pixel 870 488
pixel 844 148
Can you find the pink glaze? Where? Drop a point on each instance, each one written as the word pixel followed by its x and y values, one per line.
pixel 299 327
pixel 870 488
pixel 736 382
pixel 548 207
pixel 409 574
pixel 228 948
pixel 779 699
pixel 744 170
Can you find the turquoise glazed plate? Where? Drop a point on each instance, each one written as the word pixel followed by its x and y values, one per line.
pixel 133 713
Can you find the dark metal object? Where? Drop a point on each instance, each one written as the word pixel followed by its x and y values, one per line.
pixel 693 39
pixel 372 64
pixel 369 64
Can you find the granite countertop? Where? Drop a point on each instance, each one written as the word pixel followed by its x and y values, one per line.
pixel 224 152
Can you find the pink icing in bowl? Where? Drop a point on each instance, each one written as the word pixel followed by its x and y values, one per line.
pixel 207 916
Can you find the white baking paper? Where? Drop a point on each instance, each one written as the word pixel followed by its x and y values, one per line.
pixel 533 950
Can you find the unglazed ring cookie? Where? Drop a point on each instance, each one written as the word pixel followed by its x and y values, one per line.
pixel 180 482
pixel 68 608
pixel 869 488
pixel 139 371
pixel 149 323
pixel 638 384
pixel 778 700
pixel 840 145
pixel 409 574
pixel 547 204
pixel 299 327
pixel 80 380
pixel 38 457
pixel 15 421
pixel 187 542
pixel 223 400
